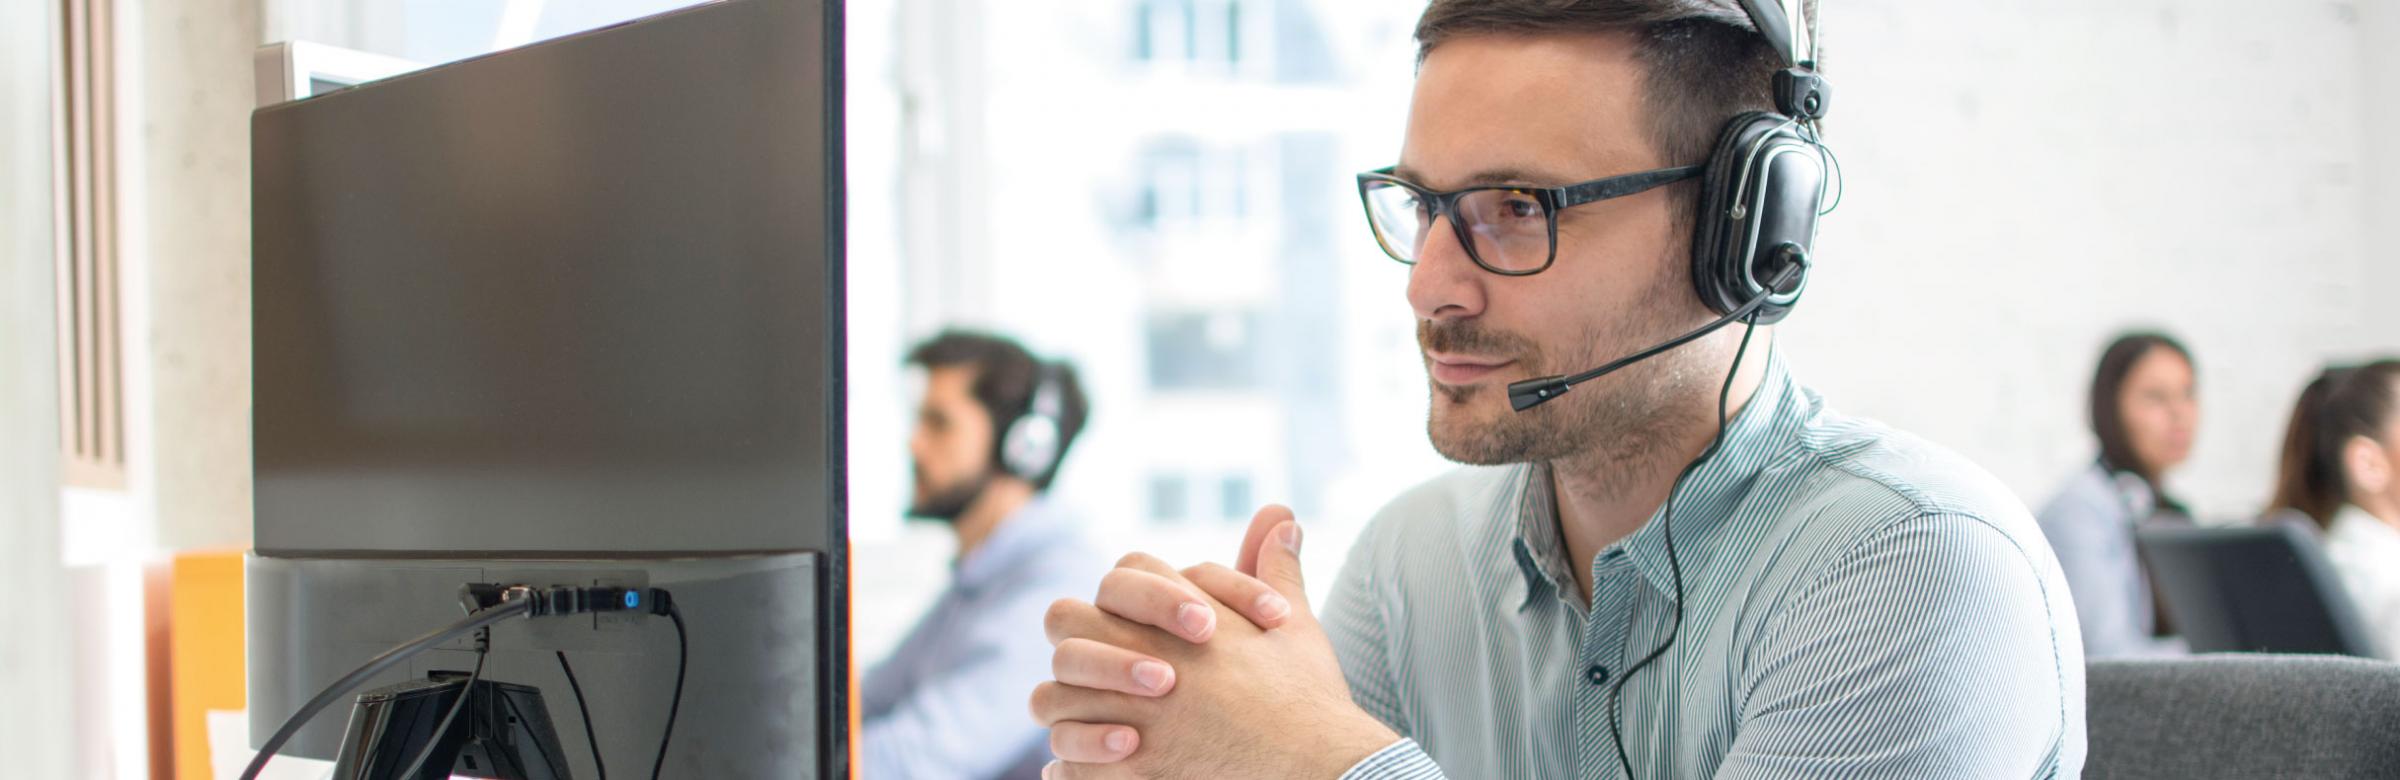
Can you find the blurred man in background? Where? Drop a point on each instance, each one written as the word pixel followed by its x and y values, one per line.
pixel 992 428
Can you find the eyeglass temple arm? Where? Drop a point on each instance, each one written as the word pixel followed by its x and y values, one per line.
pixel 1621 186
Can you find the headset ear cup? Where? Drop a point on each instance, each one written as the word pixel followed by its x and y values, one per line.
pixel 1744 161
pixel 1030 445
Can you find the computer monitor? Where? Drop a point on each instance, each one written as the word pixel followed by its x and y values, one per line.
pixel 2252 589
pixel 564 314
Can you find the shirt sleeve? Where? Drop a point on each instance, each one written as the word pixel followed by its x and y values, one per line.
pixel 1929 650
pixel 1354 622
pixel 970 721
pixel 1402 760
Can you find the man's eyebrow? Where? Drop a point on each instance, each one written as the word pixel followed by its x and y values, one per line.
pixel 1490 177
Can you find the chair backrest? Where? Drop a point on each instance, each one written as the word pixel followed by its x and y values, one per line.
pixel 2252 589
pixel 2243 716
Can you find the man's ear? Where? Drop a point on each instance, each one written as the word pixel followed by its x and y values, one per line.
pixel 2367 468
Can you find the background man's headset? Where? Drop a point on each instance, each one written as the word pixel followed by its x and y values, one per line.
pixel 1761 195
pixel 1030 447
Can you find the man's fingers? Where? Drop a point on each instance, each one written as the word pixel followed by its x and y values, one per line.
pixel 1261 523
pixel 1069 618
pixel 1142 561
pixel 1248 595
pixel 1056 701
pixel 1093 743
pixel 1088 664
pixel 1166 602
pixel 1279 567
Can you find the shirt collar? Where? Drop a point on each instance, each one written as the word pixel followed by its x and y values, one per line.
pixel 1753 438
pixel 1022 536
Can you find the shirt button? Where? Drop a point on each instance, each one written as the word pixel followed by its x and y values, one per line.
pixel 1598 674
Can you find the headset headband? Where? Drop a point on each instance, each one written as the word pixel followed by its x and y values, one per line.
pixel 1775 19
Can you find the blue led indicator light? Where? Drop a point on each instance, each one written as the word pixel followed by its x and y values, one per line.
pixel 633 599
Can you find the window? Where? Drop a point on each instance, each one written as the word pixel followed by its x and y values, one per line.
pixel 1167 499
pixel 90 368
pixel 1234 500
pixel 1203 33
pixel 1183 183
pixel 1203 350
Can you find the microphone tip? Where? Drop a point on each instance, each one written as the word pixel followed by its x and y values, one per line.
pixel 1535 392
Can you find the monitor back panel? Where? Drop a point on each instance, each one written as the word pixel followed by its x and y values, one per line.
pixel 582 297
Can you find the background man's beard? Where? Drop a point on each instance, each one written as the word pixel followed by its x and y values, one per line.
pixel 946 503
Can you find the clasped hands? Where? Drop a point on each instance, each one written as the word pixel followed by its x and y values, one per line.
pixel 1206 672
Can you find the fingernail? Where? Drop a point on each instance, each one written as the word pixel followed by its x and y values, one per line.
pixel 1118 740
pixel 1273 607
pixel 1196 620
pixel 1291 537
pixel 1151 675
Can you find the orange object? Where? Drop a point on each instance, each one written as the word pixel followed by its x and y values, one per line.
pixel 207 661
pixel 853 654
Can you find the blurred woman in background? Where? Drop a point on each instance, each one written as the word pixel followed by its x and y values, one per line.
pixel 2341 468
pixel 2144 410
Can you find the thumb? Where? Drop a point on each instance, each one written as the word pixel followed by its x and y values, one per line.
pixel 1261 532
pixel 1279 565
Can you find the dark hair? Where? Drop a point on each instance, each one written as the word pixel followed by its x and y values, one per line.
pixel 2340 404
pixel 1005 378
pixel 2108 406
pixel 1705 61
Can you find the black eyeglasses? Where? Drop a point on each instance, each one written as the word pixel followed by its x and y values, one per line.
pixel 1511 231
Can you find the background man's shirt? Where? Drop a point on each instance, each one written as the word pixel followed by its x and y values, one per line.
pixel 950 701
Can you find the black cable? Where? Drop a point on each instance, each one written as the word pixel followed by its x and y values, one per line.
pixel 1667 522
pixel 483 647
pixel 377 665
pixel 597 764
pixel 682 653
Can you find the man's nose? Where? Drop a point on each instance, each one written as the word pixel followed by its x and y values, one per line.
pixel 1445 283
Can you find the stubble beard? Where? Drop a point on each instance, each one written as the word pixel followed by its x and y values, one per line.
pixel 1612 428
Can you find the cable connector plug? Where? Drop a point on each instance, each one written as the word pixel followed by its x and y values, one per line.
pixel 558 600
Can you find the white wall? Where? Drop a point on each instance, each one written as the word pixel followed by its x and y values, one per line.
pixel 2379 40
pixel 2029 178
pixel 34 660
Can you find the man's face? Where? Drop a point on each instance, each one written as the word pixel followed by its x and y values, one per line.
pixel 1546 111
pixel 952 446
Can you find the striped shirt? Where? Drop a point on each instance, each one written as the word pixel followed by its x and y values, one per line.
pixel 1859 604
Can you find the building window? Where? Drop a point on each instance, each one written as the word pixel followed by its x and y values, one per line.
pixel 1184 183
pixel 1167 499
pixel 1235 498
pixel 1215 350
pixel 1197 32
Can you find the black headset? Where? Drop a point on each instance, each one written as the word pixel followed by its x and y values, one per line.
pixel 1766 182
pixel 1761 194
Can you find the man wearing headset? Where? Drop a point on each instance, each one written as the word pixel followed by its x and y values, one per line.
pixel 1687 567
pixel 992 427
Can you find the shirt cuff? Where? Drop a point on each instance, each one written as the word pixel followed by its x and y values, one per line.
pixel 1402 760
